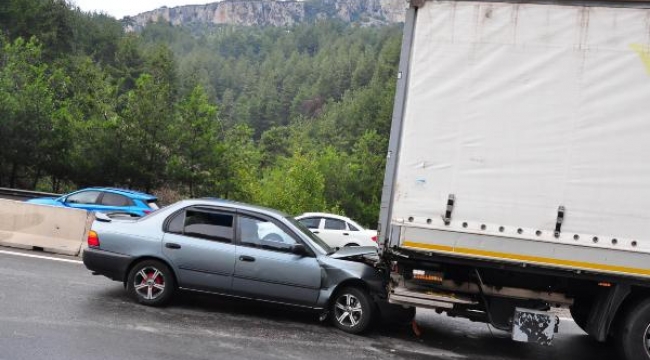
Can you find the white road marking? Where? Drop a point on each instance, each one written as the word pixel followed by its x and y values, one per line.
pixel 40 257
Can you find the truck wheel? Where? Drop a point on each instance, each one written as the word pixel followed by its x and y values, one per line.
pixel 352 310
pixel 633 338
pixel 151 283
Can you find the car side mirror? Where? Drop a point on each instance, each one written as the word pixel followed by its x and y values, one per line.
pixel 299 249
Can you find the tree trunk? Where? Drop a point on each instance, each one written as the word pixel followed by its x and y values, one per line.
pixel 36 177
pixel 12 176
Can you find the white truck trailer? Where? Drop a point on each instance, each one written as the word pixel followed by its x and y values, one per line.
pixel 518 173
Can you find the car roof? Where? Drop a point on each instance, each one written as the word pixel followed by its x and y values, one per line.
pixel 236 205
pixel 321 214
pixel 126 192
pixel 332 216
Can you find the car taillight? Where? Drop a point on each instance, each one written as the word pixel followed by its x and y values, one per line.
pixel 146 212
pixel 93 239
pixel 374 238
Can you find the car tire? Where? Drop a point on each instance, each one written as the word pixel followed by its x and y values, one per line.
pixel 351 244
pixel 352 310
pixel 633 336
pixel 151 282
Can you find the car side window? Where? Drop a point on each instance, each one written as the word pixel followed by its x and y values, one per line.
pixel 334 224
pixel 310 223
pixel 110 199
pixel 352 227
pixel 263 234
pixel 207 225
pixel 84 197
pixel 175 225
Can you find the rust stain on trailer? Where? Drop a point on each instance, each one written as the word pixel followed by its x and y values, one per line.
pixel 583 34
pixel 644 53
pixel 514 18
pixel 582 42
pixel 453 21
pixel 647 26
pixel 488 12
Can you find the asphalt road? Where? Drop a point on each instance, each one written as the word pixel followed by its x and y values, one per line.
pixel 58 310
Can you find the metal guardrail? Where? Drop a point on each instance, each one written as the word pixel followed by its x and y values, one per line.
pixel 20 195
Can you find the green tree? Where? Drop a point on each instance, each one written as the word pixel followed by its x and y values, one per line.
pixel 305 110
pixel 93 127
pixel 27 102
pixel 48 20
pixel 237 176
pixel 367 164
pixel 194 160
pixel 147 130
pixel 294 186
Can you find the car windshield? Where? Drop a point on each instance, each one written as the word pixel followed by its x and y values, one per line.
pixel 318 241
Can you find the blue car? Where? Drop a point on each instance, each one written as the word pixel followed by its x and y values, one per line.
pixel 104 199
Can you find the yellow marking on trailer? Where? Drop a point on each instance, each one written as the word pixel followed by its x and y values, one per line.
pixel 526 258
pixel 644 54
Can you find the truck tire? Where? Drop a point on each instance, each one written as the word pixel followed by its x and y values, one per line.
pixel 580 314
pixel 633 335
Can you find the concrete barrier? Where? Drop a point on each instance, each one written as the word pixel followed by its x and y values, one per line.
pixel 53 229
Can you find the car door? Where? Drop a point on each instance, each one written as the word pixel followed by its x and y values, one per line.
pixel 334 232
pixel 199 242
pixel 358 235
pixel 314 224
pixel 267 269
pixel 111 202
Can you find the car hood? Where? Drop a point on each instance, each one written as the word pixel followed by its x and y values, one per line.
pixel 44 201
pixel 352 251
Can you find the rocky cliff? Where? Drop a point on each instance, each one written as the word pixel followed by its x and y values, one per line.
pixel 274 12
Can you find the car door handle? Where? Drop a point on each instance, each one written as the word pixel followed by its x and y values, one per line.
pixel 316 232
pixel 172 246
pixel 246 258
pixel 346 234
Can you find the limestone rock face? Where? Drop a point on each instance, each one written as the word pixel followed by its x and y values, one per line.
pixel 274 13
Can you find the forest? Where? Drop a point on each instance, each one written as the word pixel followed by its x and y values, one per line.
pixel 294 118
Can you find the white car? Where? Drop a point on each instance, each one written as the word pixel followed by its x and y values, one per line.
pixel 338 231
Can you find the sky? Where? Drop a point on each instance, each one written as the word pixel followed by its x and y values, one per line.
pixel 121 8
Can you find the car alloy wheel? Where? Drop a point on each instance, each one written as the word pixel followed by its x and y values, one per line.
pixel 151 282
pixel 348 311
pixel 351 310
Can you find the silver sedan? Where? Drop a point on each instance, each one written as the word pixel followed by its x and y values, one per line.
pixel 235 249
